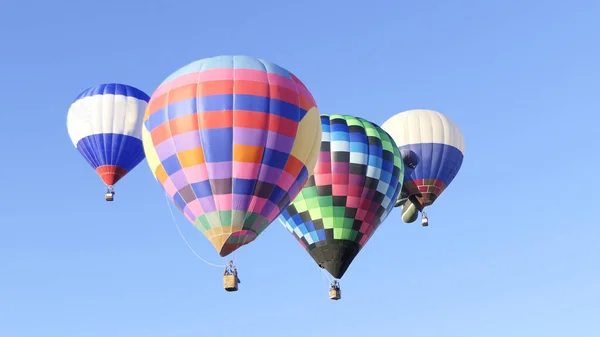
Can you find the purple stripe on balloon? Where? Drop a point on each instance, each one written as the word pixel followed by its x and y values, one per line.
pixel 189 213
pixel 269 174
pixel 280 142
pixel 241 202
pixel 268 208
pixel 208 204
pixel 339 167
pixel 247 136
pixel 179 179
pixel 356 180
pixel 221 170
pixel 165 149
pixel 186 141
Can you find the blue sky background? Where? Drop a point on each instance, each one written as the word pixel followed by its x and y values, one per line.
pixel 512 249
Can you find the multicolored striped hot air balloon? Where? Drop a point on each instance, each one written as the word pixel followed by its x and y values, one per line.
pixel 434 145
pixel 355 184
pixel 105 125
pixel 232 140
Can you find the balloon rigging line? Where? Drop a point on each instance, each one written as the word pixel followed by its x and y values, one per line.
pixel 326 277
pixel 183 237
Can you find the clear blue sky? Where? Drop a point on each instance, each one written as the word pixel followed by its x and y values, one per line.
pixel 512 249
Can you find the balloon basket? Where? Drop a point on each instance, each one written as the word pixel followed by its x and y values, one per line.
pixel 335 294
pixel 109 196
pixel 230 282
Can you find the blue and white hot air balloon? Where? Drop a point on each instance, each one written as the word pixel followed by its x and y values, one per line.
pixel 432 148
pixel 105 125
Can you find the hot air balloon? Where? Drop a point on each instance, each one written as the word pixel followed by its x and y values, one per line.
pixel 232 140
pixel 432 148
pixel 105 125
pixel 355 183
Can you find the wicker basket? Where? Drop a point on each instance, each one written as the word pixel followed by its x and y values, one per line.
pixel 335 294
pixel 230 282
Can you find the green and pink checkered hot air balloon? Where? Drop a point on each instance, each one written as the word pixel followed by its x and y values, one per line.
pixel 355 184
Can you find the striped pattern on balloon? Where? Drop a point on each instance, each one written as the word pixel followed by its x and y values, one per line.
pixel 105 125
pixel 232 140
pixel 434 147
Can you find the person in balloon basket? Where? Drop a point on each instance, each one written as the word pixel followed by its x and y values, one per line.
pixel 232 270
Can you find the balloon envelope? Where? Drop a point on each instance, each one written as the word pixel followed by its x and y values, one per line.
pixel 409 212
pixel 355 184
pixel 232 140
pixel 439 147
pixel 105 125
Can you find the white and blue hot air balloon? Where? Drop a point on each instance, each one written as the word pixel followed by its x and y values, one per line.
pixel 432 148
pixel 105 125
